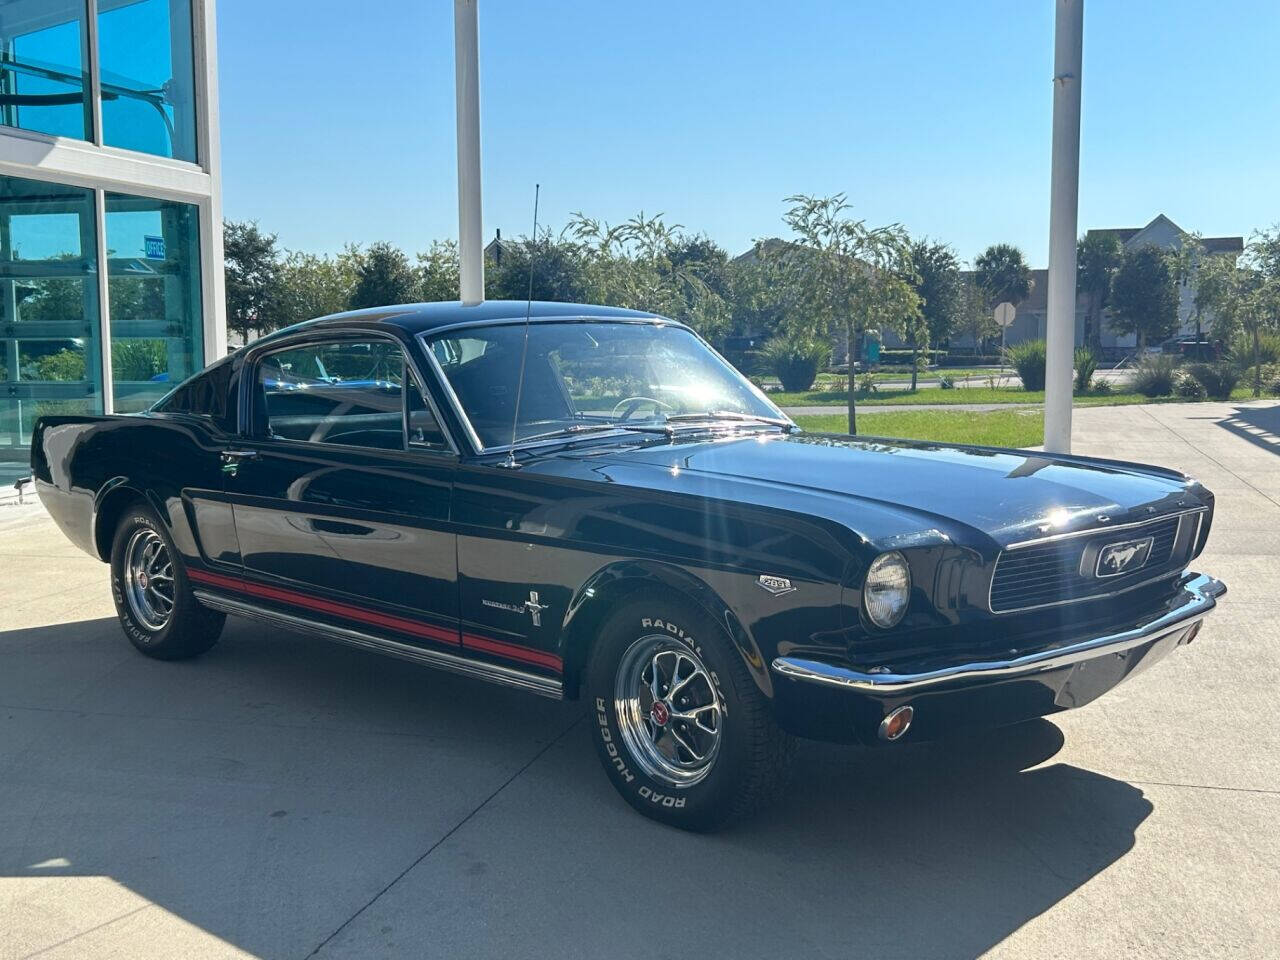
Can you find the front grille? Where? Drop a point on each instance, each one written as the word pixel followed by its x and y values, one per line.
pixel 1049 573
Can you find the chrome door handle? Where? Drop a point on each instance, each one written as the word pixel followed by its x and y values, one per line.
pixel 231 460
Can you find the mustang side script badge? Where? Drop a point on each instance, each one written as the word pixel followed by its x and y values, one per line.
pixel 775 585
pixel 1124 557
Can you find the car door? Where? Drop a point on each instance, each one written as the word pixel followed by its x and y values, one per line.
pixel 342 488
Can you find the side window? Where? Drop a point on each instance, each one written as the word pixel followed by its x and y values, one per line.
pixel 347 392
pixel 424 430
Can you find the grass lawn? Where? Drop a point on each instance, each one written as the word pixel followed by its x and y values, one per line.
pixel 832 398
pixel 998 428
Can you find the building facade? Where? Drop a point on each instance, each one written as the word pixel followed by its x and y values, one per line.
pixel 111 284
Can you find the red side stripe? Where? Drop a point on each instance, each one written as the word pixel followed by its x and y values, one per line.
pixel 501 648
pixel 413 627
pixel 513 652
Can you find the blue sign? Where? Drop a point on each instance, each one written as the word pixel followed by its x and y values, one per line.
pixel 154 248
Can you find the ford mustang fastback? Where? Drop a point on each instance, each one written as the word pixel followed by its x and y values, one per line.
pixel 585 502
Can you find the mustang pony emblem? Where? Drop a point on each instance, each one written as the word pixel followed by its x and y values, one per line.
pixel 530 606
pixel 1117 558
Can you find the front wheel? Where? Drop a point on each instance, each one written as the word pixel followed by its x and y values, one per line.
pixel 684 733
pixel 159 613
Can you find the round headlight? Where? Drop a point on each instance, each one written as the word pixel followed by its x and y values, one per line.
pixel 887 589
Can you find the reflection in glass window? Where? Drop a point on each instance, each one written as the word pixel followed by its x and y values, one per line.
pixel 49 349
pixel 44 67
pixel 153 280
pixel 148 77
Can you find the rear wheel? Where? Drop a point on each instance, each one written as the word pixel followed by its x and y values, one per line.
pixel 159 613
pixel 684 733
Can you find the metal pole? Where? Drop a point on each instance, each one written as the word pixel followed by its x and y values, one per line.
pixel 466 52
pixel 1060 325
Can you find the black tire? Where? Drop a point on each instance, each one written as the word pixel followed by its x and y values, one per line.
pixel 177 631
pixel 751 757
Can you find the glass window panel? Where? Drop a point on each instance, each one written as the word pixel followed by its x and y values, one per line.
pixel 44 67
pixel 154 284
pixel 50 359
pixel 345 393
pixel 148 76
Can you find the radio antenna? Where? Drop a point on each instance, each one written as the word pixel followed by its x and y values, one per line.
pixel 510 463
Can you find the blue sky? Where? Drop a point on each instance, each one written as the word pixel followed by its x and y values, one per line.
pixel 338 122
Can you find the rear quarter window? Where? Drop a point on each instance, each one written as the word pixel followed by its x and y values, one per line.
pixel 210 393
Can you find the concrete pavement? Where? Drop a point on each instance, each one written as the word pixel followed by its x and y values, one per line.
pixel 283 797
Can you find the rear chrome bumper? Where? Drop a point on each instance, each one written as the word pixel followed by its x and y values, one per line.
pixel 1199 596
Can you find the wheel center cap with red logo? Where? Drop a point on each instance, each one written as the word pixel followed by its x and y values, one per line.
pixel 659 713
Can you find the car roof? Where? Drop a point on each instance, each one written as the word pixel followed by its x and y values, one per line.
pixel 416 318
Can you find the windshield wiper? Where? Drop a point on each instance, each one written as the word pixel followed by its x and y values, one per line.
pixel 578 428
pixel 786 425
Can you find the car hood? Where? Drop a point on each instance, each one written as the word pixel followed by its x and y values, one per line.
pixel 1009 494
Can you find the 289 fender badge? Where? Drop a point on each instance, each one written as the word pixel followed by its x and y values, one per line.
pixel 775 585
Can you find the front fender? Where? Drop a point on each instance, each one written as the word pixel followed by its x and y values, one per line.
pixel 608 585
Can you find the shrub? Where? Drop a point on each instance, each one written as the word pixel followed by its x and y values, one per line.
pixel 1156 375
pixel 1189 388
pixel 1240 352
pixel 795 362
pixel 1101 389
pixel 1028 359
pixel 947 382
pixel 1086 367
pixel 1218 379
pixel 867 384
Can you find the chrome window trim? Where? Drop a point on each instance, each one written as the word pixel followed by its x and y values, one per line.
pixel 1093 530
pixel 1082 533
pixel 426 336
pixel 494 673
pixel 1204 593
pixel 256 353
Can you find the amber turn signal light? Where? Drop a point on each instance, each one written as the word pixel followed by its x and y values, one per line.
pixel 896 723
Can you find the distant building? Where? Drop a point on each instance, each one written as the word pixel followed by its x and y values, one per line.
pixel 1029 320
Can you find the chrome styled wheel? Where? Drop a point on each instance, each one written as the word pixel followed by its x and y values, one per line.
pixel 669 711
pixel 149 586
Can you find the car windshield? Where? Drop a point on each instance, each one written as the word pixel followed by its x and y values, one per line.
pixel 595 375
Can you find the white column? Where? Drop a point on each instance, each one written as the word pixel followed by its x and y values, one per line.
pixel 466 52
pixel 209 149
pixel 1060 327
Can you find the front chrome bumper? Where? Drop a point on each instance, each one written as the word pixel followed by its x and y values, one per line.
pixel 1200 595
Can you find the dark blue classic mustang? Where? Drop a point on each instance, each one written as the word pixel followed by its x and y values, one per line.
pixel 594 504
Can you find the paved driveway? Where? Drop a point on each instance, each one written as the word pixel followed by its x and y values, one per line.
pixel 283 797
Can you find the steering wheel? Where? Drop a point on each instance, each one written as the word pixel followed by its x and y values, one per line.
pixel 631 404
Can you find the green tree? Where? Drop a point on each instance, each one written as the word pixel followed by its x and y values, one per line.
pixel 438 272
pixel 1244 295
pixel 976 318
pixel 558 271
pixel 251 268
pixel 939 286
pixel 1185 261
pixel 644 264
pixel 384 277
pixel 1144 296
pixel 315 286
pixel 1098 257
pixel 855 276
pixel 1002 272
